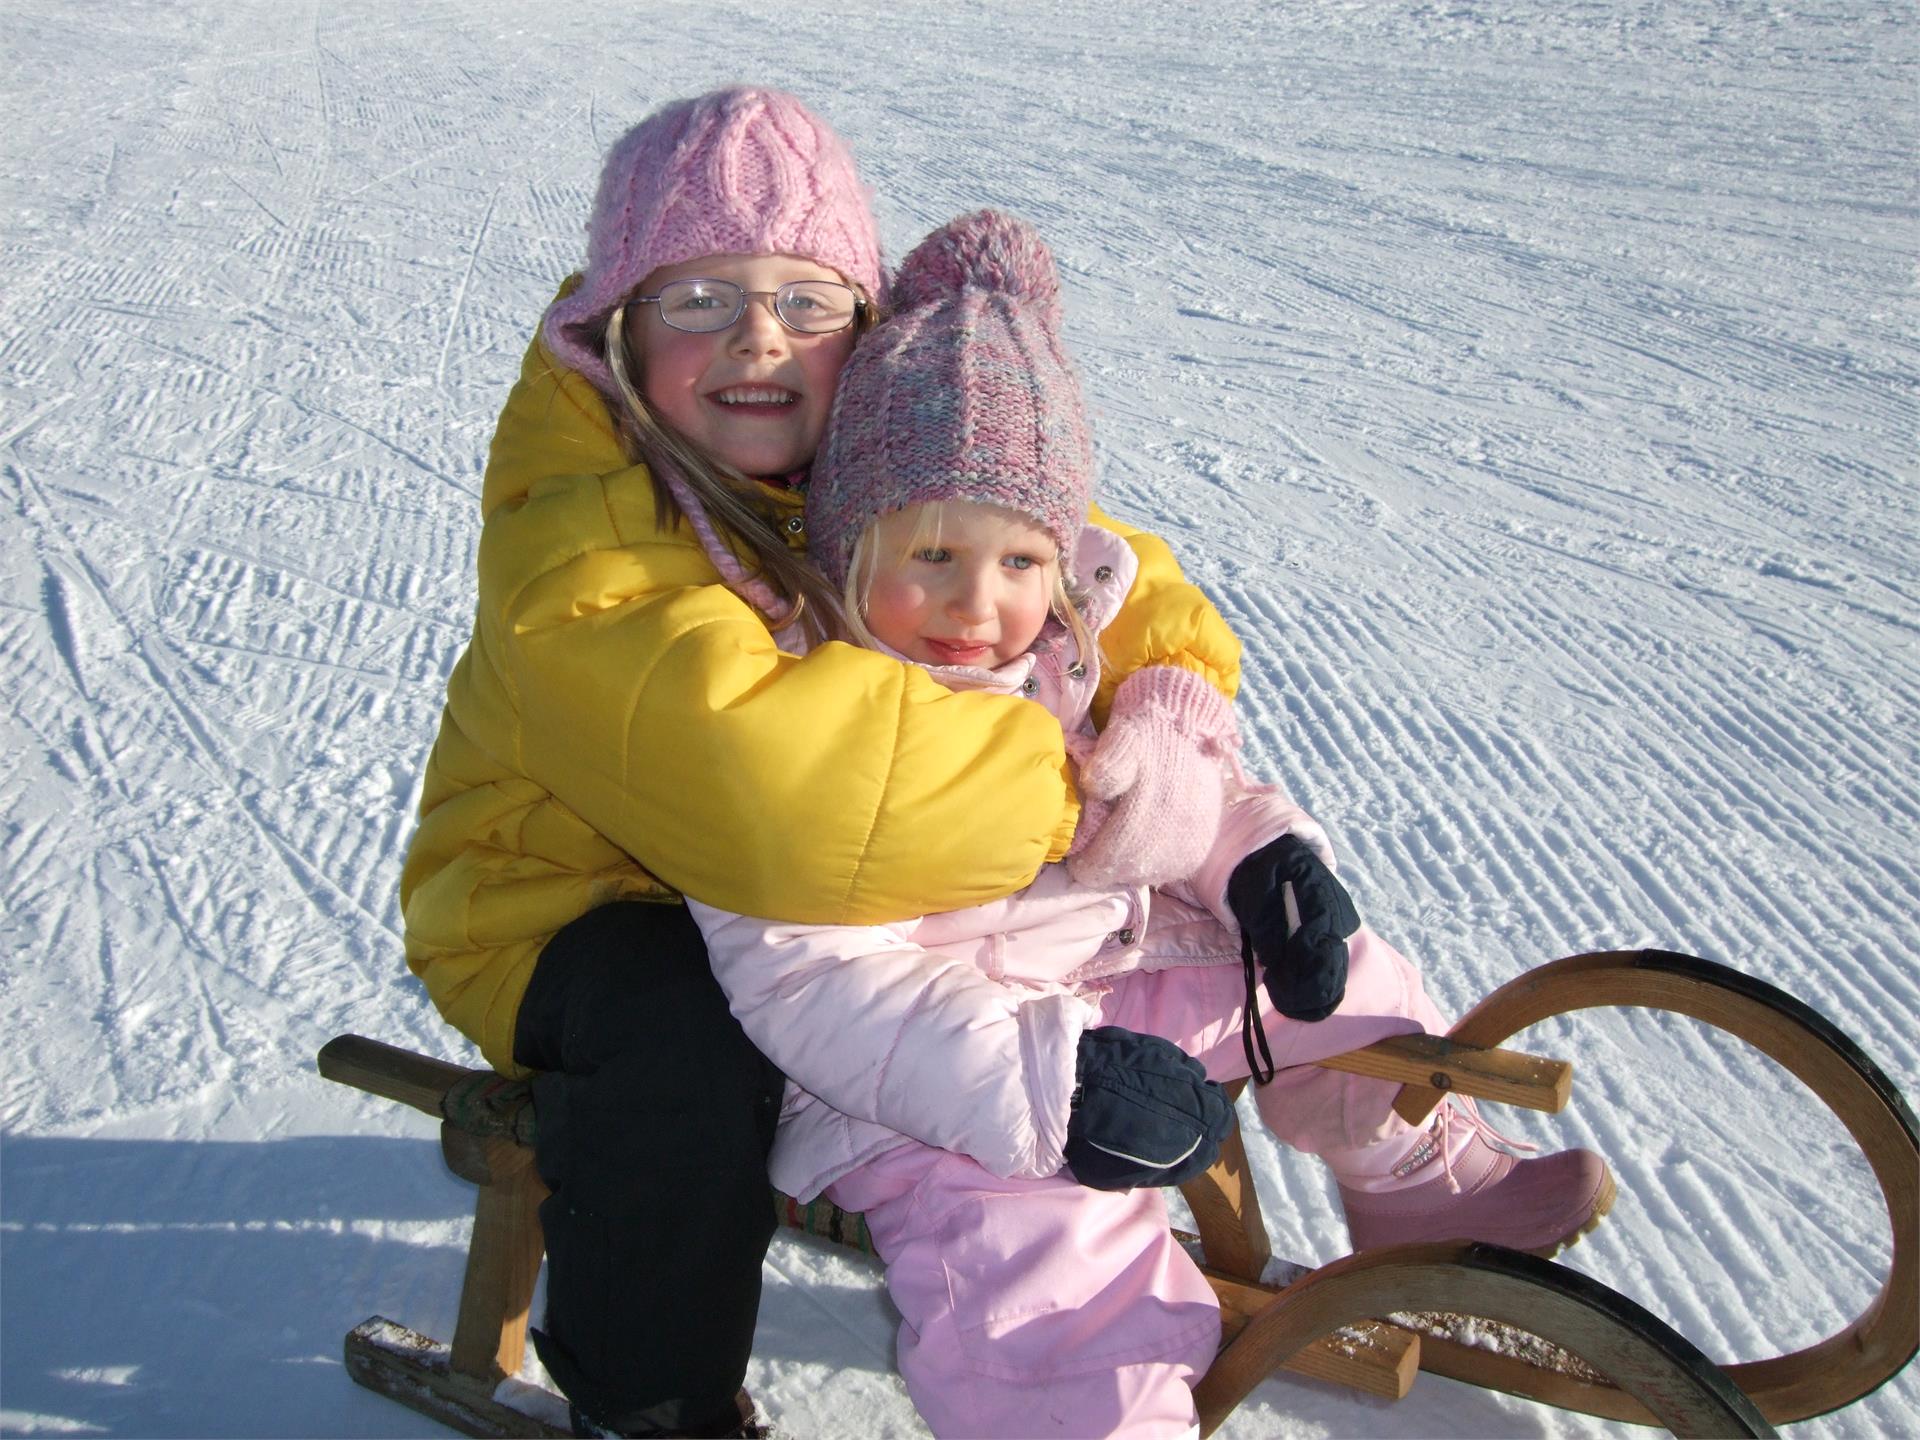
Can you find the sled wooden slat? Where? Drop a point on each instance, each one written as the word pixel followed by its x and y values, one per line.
pixel 1512 1375
pixel 1370 1356
pixel 1437 1063
pixel 1427 1065
pixel 386 1070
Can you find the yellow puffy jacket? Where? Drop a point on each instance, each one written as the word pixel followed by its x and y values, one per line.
pixel 622 725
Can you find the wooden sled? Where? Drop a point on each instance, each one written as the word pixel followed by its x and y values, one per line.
pixel 1604 1354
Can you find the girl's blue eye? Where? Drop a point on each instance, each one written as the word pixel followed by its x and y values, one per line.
pixel 933 554
pixel 1021 562
pixel 696 297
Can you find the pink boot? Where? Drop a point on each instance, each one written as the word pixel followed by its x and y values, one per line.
pixel 1451 1184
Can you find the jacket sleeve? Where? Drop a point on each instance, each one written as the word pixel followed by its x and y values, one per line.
pixel 924 1044
pixel 1166 620
pixel 845 787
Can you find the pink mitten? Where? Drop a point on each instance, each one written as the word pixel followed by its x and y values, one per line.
pixel 1160 767
pixel 1093 813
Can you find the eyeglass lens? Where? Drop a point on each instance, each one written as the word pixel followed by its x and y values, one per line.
pixel 811 307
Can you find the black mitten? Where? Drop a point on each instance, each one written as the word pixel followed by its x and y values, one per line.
pixel 1296 917
pixel 1144 1112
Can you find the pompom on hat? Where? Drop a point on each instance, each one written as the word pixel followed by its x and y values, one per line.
pixel 740 171
pixel 965 393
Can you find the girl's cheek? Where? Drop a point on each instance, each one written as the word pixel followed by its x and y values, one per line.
pixel 669 362
pixel 831 357
pixel 896 594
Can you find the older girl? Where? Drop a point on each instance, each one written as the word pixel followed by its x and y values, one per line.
pixel 632 720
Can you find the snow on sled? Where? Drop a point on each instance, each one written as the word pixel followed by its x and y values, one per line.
pixel 1555 1336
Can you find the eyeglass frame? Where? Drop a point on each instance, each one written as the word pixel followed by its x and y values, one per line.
pixel 858 312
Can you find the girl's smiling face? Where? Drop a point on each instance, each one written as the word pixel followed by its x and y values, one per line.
pixel 972 588
pixel 755 395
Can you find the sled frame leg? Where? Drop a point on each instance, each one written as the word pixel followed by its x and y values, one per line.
pixel 457 1384
pixel 503 1260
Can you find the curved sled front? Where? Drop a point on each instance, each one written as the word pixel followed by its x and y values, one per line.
pixel 1676 1385
pixel 1876 1345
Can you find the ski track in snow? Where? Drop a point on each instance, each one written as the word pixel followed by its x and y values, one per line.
pixel 1531 386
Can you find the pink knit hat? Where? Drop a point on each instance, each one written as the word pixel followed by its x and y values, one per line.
pixel 735 172
pixel 964 394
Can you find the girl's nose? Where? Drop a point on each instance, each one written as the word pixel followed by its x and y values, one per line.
pixel 758 331
pixel 971 599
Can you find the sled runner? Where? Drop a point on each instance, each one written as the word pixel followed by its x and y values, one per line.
pixel 1602 1353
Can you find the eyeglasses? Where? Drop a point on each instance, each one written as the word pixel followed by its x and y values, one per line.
pixel 704 307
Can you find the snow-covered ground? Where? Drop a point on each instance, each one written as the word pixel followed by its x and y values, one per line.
pixel 1531 383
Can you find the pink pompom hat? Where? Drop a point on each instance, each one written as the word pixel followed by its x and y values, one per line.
pixel 965 393
pixel 739 171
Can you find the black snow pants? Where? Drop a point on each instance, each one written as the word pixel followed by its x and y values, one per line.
pixel 655 1117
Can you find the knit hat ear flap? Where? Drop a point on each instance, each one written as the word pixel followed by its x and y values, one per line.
pixel 966 393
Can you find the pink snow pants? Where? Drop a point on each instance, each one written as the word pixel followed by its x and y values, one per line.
pixel 1042 1308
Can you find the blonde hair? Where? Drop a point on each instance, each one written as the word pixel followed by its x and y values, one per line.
pixel 864 567
pixel 732 500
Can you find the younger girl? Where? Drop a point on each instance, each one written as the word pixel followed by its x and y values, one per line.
pixel 1000 1088
pixel 632 719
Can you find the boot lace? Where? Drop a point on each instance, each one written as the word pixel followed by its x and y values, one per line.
pixel 1461 1110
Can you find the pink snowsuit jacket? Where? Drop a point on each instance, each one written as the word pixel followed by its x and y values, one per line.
pixel 961 1029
